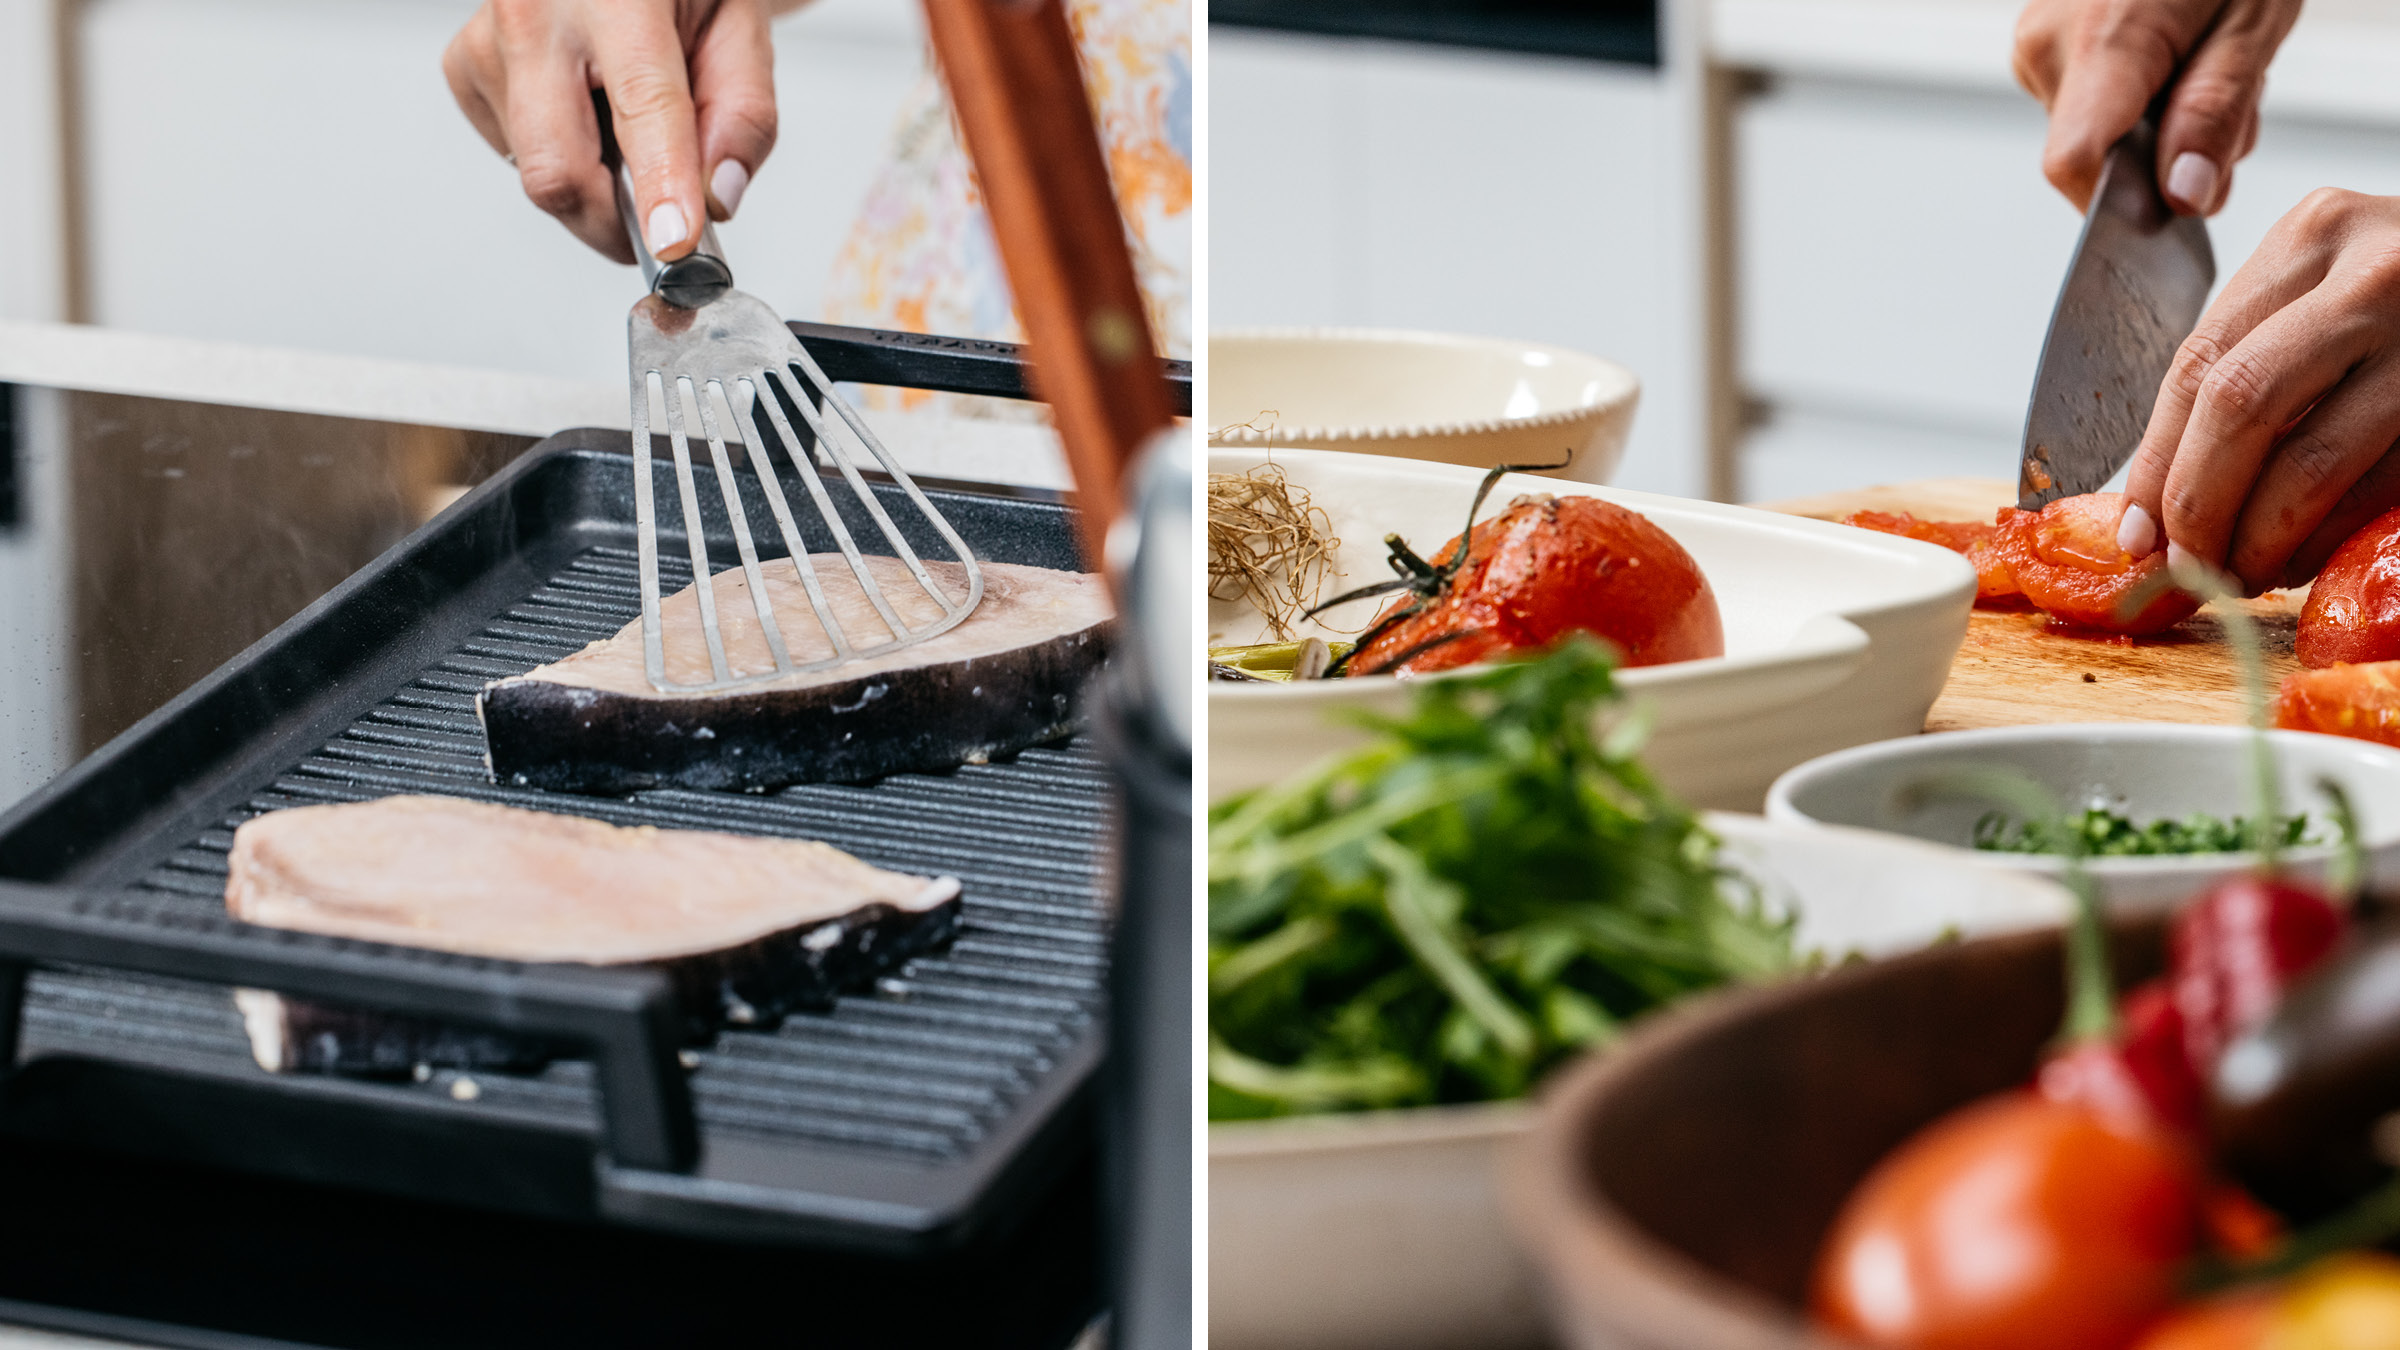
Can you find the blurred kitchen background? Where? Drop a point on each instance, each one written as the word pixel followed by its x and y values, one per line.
pixel 1817 229
pixel 319 307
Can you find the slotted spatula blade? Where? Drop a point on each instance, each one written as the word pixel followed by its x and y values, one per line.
pixel 708 357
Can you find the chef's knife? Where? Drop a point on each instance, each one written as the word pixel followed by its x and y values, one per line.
pixel 2138 283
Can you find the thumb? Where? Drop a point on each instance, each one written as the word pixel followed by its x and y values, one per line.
pixel 640 63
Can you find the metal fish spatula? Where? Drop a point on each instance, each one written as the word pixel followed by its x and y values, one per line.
pixel 705 353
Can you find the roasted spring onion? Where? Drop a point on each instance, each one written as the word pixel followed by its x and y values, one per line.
pixel 1279 661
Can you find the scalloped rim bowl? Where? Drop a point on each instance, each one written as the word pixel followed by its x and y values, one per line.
pixel 1438 396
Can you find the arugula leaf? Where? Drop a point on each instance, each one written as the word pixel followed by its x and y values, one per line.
pixel 1490 886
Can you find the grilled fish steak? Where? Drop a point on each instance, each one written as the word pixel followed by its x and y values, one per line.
pixel 749 929
pixel 1005 678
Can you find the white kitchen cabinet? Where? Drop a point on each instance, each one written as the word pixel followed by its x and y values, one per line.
pixel 1899 252
pixel 293 173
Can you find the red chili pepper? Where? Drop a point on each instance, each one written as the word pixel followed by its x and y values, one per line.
pixel 2142 1073
pixel 2237 948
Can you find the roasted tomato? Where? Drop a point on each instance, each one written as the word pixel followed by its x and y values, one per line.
pixel 1547 567
pixel 2361 701
pixel 2353 610
pixel 2065 558
pixel 1994 587
pixel 2014 1221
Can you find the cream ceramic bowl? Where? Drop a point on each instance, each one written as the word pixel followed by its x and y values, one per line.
pixel 1436 396
pixel 1384 1231
pixel 2140 770
pixel 1833 636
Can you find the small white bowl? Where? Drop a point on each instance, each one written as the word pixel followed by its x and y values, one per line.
pixel 1383 1230
pixel 1437 396
pixel 2144 771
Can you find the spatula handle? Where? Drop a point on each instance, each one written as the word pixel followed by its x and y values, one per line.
pixel 691 280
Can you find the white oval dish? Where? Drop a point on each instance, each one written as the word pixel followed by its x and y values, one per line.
pixel 2141 770
pixel 1383 1230
pixel 1433 396
pixel 1833 636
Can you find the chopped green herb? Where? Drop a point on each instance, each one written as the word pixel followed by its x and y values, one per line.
pixel 2106 834
pixel 1441 916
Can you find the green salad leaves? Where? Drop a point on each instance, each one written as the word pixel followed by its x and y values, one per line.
pixel 1491 885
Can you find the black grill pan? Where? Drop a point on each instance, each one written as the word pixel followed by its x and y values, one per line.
pixel 900 1122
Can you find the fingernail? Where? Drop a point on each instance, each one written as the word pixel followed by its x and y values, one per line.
pixel 2192 181
pixel 667 227
pixel 2137 533
pixel 729 182
pixel 2177 556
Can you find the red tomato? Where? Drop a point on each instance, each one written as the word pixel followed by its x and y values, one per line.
pixel 2013 1221
pixel 1955 535
pixel 1548 567
pixel 1994 587
pixel 2065 558
pixel 2360 701
pixel 2353 610
pixel 2237 1321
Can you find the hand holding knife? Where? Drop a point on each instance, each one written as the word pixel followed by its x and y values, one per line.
pixel 2270 430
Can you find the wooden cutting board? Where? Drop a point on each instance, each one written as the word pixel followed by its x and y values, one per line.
pixel 2013 671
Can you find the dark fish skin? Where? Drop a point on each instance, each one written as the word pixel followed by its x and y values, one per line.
pixel 357 1043
pixel 929 718
pixel 754 986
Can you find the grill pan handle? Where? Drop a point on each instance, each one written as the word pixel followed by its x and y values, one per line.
pixel 950 365
pixel 627 1018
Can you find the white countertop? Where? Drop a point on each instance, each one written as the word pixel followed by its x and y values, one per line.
pixel 2338 65
pixel 100 360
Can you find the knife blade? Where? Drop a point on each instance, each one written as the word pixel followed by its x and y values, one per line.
pixel 2138 282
